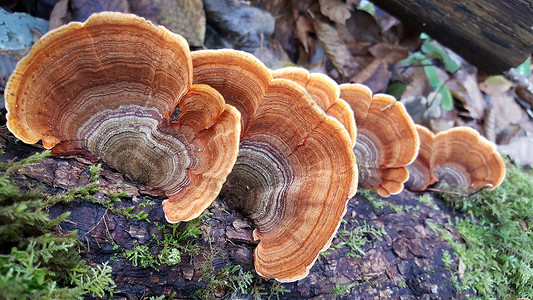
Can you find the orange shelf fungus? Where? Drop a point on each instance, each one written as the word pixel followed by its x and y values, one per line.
pixel 387 140
pixel 326 94
pixel 105 89
pixel 460 157
pixel 296 169
pixel 420 175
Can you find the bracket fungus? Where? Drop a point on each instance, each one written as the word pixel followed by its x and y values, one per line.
pixel 296 169
pixel 326 94
pixel 420 175
pixel 105 89
pixel 386 142
pixel 460 157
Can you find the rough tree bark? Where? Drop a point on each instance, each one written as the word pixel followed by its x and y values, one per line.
pixel 493 35
pixel 406 263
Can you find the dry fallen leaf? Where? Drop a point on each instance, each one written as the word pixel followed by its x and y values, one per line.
pixel 273 55
pixel 419 84
pixel 392 53
pixel 387 22
pixel 303 27
pixel 79 10
pixel 423 109
pixel 60 14
pixel 334 47
pixel 336 10
pixel 363 27
pixel 525 94
pixel 286 13
pixel 376 75
pixel 185 17
pixel 504 110
pixel 438 125
pixel 465 88
pixel 520 150
pixel 352 3
pixel 495 85
pixel 461 268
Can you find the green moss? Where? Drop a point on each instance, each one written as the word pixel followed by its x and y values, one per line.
pixel 447 259
pixel 147 203
pixel 231 278
pixel 234 282
pixel 114 197
pixel 343 289
pixel 163 297
pixel 428 200
pixel 141 255
pixel 12 166
pixel 378 203
pixel 498 254
pixel 276 289
pixel 175 241
pixel 93 171
pixel 36 261
pixel 356 237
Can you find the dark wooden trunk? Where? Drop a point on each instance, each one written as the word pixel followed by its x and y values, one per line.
pixel 404 264
pixel 494 35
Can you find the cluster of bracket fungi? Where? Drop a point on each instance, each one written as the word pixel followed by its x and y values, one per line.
pixel 278 146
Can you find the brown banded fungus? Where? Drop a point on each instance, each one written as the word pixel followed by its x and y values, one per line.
pixel 326 94
pixel 420 175
pixel 459 157
pixel 296 169
pixel 105 89
pixel 386 142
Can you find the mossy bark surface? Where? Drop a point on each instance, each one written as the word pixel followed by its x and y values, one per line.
pixel 404 263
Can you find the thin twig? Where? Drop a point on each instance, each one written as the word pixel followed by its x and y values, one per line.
pixel 444 192
pixel 108 232
pixel 479 190
pixel 105 213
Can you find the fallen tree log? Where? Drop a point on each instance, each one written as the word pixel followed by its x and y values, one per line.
pixel 493 35
pixel 124 225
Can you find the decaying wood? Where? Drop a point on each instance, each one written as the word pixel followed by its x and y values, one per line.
pixel 493 35
pixel 405 264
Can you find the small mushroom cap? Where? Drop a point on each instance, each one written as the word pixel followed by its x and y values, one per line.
pixel 212 129
pixel 460 157
pixel 386 142
pixel 420 175
pixel 296 74
pixel 325 92
pixel 295 171
pixel 105 89
pixel 238 76
pixel 463 158
pixel 359 97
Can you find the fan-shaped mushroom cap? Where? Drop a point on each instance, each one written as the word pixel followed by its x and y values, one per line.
pixel 386 142
pixel 239 77
pixel 463 158
pixel 458 156
pixel 105 89
pixel 325 92
pixel 296 74
pixel 420 175
pixel 295 171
